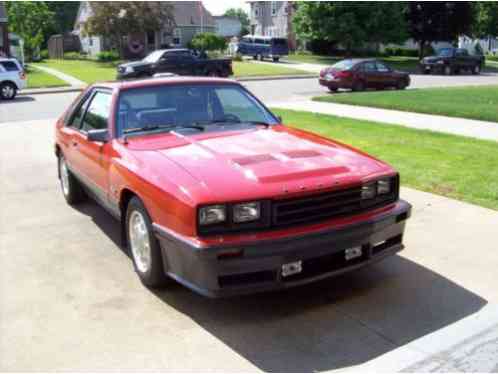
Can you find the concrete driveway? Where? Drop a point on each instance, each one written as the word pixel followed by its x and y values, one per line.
pixel 69 299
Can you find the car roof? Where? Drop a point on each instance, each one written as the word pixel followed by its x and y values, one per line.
pixel 172 50
pixel 151 82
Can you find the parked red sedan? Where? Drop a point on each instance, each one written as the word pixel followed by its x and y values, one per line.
pixel 212 191
pixel 361 74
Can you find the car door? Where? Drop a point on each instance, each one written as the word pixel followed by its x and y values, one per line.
pixel 71 128
pixel 91 158
pixel 385 76
pixel 370 74
pixel 170 62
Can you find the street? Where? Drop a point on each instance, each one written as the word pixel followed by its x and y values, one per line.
pixel 71 301
pixel 51 105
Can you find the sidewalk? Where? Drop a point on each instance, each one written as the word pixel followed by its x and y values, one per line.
pixel 457 126
pixel 72 81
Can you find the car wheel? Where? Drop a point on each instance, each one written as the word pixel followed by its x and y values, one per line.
pixel 8 91
pixel 276 59
pixel 448 70
pixel 401 85
pixel 260 57
pixel 143 245
pixel 476 70
pixel 332 89
pixel 71 188
pixel 213 74
pixel 359 86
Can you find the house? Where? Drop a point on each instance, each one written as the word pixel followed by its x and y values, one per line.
pixel 487 45
pixel 227 26
pixel 191 18
pixel 273 18
pixel 4 32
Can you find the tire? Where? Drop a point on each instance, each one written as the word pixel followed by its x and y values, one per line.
pixel 358 86
pixel 8 91
pixel 71 188
pixel 260 57
pixel 143 246
pixel 255 57
pixel 276 59
pixel 213 74
pixel 447 70
pixel 332 89
pixel 401 85
pixel 476 70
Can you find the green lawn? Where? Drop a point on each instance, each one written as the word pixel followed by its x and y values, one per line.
pixel 86 70
pixel 476 102
pixel 92 71
pixel 40 79
pixel 247 69
pixel 454 166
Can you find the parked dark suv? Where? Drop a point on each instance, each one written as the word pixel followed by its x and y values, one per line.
pixel 451 61
pixel 360 74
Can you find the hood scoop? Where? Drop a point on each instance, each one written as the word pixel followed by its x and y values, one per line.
pixel 304 153
pixel 251 160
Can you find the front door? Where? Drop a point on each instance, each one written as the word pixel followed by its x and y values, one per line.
pixel 90 158
pixel 384 75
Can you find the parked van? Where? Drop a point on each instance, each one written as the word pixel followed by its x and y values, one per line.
pixel 261 47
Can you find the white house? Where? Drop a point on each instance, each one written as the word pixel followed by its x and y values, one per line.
pixel 227 26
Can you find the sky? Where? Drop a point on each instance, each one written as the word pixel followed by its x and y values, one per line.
pixel 218 7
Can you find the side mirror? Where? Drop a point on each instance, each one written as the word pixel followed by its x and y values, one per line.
pixel 100 135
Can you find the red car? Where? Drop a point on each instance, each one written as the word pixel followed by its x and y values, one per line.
pixel 361 74
pixel 213 191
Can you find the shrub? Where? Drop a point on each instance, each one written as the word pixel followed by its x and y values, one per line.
pixel 44 54
pixel 107 56
pixel 237 57
pixel 478 49
pixel 208 42
pixel 73 56
pixel 404 52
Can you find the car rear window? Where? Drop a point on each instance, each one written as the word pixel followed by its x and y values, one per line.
pixel 9 65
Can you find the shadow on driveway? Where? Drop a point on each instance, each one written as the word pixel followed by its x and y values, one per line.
pixel 331 324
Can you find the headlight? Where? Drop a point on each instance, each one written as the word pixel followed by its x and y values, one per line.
pixel 246 212
pixel 369 191
pixel 384 186
pixel 209 215
pixel 129 69
pixel 440 62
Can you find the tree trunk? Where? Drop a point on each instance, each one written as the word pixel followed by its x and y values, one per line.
pixel 421 46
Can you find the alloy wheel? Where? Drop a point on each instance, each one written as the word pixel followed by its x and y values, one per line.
pixel 140 241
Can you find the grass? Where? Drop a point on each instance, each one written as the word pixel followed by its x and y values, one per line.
pixel 453 166
pixel 40 79
pixel 93 71
pixel 247 69
pixel 474 102
pixel 85 70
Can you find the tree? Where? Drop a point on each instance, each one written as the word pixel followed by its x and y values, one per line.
pixel 65 15
pixel 431 21
pixel 486 18
pixel 242 16
pixel 118 19
pixel 352 24
pixel 32 20
pixel 208 42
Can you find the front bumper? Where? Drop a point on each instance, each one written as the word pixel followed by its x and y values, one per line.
pixel 259 269
pixel 336 83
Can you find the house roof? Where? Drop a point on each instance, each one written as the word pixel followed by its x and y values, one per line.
pixel 3 12
pixel 186 13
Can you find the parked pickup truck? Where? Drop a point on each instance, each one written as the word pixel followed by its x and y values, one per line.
pixel 176 61
pixel 213 191
pixel 451 61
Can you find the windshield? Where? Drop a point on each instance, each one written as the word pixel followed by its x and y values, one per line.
pixel 343 65
pixel 445 52
pixel 153 57
pixel 171 107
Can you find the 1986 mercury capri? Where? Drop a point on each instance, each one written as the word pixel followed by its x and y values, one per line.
pixel 213 191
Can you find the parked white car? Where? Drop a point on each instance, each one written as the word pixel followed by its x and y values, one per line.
pixel 12 78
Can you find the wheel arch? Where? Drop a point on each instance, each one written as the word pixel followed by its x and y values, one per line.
pixel 9 82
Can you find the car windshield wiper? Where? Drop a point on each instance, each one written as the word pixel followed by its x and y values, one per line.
pixel 257 123
pixel 223 121
pixel 160 127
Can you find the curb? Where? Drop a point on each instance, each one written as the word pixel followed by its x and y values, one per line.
pixel 55 90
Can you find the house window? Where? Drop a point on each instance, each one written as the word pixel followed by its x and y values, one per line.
pixel 256 10
pixel 90 41
pixel 286 8
pixel 273 8
pixel 177 37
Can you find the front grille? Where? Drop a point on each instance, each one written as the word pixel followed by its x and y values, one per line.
pixel 324 206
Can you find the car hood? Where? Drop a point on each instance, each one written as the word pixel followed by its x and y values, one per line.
pixel 261 163
pixel 433 58
pixel 134 64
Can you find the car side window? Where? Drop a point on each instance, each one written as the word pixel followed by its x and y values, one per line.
pixel 77 116
pixel 98 112
pixel 382 68
pixel 369 67
pixel 461 52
